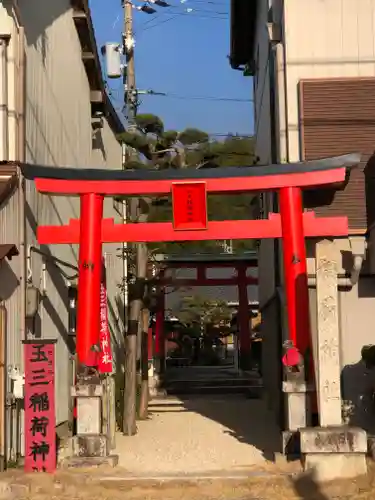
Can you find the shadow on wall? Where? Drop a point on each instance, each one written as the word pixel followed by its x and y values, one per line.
pixel 37 16
pixel 98 143
pixel 55 276
pixel 358 391
pixel 8 281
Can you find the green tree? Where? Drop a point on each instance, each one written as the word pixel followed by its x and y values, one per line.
pixel 198 309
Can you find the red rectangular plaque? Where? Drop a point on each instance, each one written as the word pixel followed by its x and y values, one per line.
pixel 189 201
pixel 105 356
pixel 40 434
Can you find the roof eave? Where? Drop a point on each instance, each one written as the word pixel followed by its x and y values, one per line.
pixel 242 32
pixel 90 58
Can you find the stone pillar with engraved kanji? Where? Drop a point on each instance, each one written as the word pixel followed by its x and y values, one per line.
pixel 332 450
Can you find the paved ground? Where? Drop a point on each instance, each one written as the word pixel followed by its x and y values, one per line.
pixel 109 485
pixel 230 436
pixel 200 435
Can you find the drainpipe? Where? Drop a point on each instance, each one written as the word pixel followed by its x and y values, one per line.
pixel 358 246
pixel 4 156
pixel 4 140
pixel 125 216
pixel 20 99
pixel 275 154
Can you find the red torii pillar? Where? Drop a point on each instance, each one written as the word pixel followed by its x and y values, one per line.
pixel 89 279
pixel 295 267
pixel 190 222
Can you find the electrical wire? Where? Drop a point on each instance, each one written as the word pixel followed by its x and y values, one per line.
pixel 162 21
pixel 191 10
pixel 192 97
pixel 197 16
pixel 201 98
pixel 206 2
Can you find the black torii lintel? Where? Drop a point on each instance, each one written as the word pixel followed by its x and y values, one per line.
pixel 32 172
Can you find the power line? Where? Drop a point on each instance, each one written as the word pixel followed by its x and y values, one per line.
pixel 192 10
pixel 206 2
pixel 190 97
pixel 230 134
pixel 197 16
pixel 161 21
pixel 197 98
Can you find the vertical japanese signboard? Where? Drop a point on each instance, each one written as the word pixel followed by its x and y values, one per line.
pixel 40 437
pixel 105 355
pixel 189 202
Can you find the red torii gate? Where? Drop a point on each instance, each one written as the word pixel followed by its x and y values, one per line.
pixel 189 191
pixel 241 280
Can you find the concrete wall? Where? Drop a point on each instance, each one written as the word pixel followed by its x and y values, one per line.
pixel 59 133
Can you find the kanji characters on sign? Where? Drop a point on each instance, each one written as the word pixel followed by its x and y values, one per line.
pixel 40 442
pixel 105 356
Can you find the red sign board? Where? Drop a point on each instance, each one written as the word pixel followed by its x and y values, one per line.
pixel 105 355
pixel 189 200
pixel 40 437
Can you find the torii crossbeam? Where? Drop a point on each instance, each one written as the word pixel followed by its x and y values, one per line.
pixel 189 189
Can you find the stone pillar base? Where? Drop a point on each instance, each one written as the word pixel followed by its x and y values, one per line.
pixel 334 452
pixel 297 412
pixel 155 387
pixel 90 446
pixel 85 462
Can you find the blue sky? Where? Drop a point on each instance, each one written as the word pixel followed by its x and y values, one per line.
pixel 186 55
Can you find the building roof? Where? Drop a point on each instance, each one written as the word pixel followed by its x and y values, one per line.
pixel 8 251
pixel 100 101
pixel 8 180
pixel 242 32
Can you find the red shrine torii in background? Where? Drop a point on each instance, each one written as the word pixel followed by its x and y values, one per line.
pixel 189 189
pixel 240 279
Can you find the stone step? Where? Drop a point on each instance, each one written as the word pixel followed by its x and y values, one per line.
pixel 215 389
pixel 229 382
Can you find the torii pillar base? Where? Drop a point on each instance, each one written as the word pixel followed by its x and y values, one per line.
pixel 337 452
pixel 90 447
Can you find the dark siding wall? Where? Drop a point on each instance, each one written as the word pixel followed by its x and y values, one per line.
pixel 337 116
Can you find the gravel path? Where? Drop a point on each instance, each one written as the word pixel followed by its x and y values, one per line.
pixel 200 435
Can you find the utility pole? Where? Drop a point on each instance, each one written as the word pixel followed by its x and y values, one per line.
pixel 130 93
pixel 132 313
